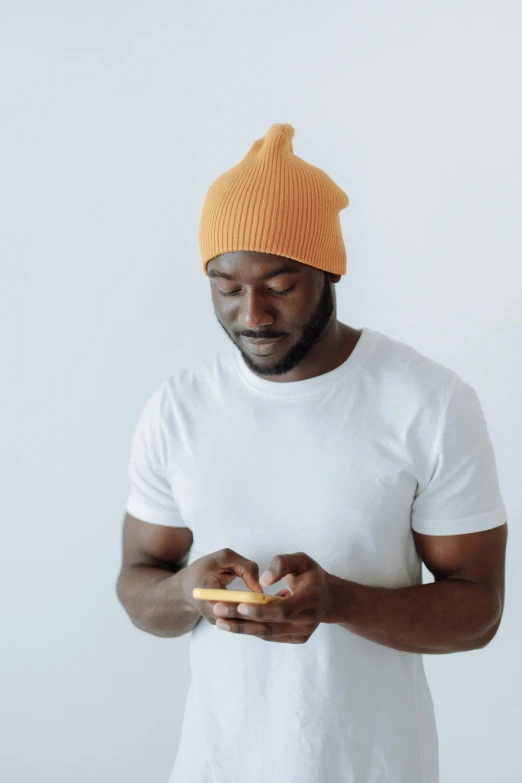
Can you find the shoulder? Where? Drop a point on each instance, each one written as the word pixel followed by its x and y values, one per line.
pixel 190 387
pixel 199 378
pixel 413 375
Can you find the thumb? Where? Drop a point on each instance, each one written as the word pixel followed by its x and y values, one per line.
pixel 282 565
pixel 231 564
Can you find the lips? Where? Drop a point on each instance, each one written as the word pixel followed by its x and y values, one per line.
pixel 264 341
pixel 265 346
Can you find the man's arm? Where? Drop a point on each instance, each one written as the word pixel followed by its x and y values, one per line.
pixel 150 584
pixel 460 610
pixel 155 586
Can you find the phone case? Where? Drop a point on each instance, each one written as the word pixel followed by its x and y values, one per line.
pixel 233 596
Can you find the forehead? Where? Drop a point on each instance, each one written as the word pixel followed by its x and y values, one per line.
pixel 251 266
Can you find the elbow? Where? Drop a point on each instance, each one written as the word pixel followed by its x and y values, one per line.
pixel 494 624
pixel 122 594
pixel 488 636
pixel 119 589
pixel 139 622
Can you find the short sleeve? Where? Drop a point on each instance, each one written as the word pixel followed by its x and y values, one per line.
pixel 150 497
pixel 462 493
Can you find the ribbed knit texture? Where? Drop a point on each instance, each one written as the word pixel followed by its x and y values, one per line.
pixel 275 202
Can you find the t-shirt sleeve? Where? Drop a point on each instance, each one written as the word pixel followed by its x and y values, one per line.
pixel 150 497
pixel 462 493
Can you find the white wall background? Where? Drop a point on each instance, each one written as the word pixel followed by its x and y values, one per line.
pixel 115 118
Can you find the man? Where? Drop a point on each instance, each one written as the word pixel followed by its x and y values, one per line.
pixel 336 458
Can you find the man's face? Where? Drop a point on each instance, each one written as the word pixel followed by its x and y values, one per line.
pixel 296 304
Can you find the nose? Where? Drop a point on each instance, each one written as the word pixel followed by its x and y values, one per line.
pixel 254 313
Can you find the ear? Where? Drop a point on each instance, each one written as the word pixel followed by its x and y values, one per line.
pixel 333 278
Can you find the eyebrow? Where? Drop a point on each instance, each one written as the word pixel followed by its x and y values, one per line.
pixel 283 270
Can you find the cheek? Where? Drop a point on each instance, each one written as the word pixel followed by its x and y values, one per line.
pixel 220 308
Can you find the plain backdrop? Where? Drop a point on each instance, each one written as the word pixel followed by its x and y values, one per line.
pixel 115 119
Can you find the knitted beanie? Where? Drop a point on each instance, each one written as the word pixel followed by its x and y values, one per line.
pixel 274 202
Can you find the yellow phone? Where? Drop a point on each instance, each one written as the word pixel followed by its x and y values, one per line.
pixel 233 596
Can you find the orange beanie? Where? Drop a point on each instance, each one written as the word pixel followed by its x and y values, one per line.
pixel 275 202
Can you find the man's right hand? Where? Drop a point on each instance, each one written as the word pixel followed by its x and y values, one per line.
pixel 217 570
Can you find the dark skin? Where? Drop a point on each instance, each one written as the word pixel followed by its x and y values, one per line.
pixel 460 610
pixel 249 306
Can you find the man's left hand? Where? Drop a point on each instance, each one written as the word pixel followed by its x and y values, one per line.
pixel 296 615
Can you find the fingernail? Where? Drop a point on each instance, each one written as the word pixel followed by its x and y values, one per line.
pixel 221 611
pixel 243 609
pixel 266 578
pixel 223 625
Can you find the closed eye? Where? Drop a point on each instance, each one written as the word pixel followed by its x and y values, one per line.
pixel 274 290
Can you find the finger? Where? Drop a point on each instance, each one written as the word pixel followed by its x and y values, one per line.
pixel 276 611
pixel 281 565
pixel 230 609
pixel 237 565
pixel 226 609
pixel 208 610
pixel 269 632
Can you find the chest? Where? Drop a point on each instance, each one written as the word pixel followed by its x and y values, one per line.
pixel 336 487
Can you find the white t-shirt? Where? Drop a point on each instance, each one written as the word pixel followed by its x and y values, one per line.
pixel 341 466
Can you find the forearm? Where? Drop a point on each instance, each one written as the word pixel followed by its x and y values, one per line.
pixel 155 600
pixel 441 617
